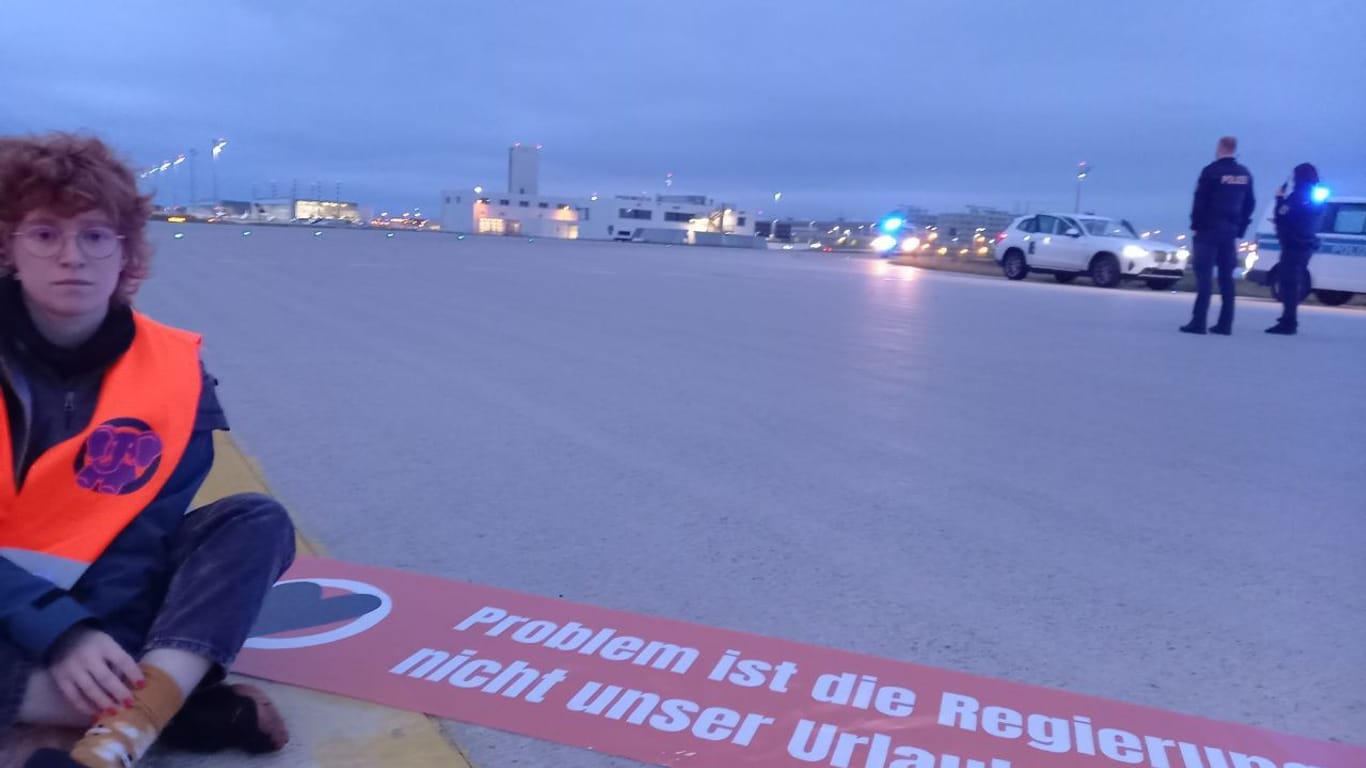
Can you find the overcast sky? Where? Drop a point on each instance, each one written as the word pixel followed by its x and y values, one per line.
pixel 849 108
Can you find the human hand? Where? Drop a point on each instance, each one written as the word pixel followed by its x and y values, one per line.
pixel 93 672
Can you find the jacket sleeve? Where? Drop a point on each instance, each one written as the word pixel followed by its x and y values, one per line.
pixel 210 414
pixel 34 613
pixel 1200 204
pixel 175 498
pixel 1249 207
pixel 1304 221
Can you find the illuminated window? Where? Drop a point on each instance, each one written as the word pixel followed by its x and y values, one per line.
pixel 488 226
pixel 323 209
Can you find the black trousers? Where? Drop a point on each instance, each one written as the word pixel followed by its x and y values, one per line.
pixel 1211 253
pixel 1290 283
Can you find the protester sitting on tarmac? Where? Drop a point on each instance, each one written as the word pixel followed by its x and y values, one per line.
pixel 1297 225
pixel 117 605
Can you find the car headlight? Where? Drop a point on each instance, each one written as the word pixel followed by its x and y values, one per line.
pixel 1183 254
pixel 884 243
pixel 1135 252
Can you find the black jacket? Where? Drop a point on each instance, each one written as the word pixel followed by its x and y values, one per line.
pixel 50 395
pixel 1297 220
pixel 1224 202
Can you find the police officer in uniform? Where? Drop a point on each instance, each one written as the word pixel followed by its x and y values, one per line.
pixel 1220 215
pixel 1297 226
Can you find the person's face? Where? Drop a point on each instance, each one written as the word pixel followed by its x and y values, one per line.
pixel 69 267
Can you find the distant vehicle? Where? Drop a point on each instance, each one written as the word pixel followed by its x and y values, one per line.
pixel 1337 270
pixel 1068 245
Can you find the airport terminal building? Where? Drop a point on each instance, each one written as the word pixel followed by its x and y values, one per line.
pixel 524 211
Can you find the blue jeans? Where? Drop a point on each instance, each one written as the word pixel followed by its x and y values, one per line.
pixel 223 560
pixel 1209 253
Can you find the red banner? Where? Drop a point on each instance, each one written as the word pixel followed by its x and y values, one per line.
pixel 671 693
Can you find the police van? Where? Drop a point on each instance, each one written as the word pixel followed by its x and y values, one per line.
pixel 1337 270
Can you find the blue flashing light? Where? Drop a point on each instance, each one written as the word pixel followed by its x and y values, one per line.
pixel 1320 193
pixel 892 224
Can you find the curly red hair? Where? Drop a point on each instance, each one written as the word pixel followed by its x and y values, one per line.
pixel 68 175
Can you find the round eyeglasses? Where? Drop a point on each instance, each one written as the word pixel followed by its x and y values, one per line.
pixel 45 240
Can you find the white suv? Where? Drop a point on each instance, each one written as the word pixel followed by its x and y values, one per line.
pixel 1067 245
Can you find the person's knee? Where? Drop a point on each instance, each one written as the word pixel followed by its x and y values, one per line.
pixel 265 508
pixel 260 518
pixel 267 518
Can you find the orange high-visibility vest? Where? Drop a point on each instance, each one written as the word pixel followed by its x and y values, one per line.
pixel 81 493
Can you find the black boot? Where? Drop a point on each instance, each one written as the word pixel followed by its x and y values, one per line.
pixel 1193 327
pixel 1222 330
pixel 1282 329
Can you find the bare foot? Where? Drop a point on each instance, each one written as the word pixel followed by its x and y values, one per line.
pixel 269 722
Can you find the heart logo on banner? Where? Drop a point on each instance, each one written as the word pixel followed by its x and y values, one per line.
pixel 294 606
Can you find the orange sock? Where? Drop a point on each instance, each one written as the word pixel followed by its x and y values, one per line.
pixel 120 740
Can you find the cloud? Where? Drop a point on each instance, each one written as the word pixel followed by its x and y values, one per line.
pixel 850 108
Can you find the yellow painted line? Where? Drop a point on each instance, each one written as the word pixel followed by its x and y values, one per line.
pixel 334 731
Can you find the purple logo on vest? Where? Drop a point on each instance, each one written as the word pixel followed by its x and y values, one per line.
pixel 119 457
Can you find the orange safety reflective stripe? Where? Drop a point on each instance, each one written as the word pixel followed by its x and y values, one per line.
pixel 81 493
